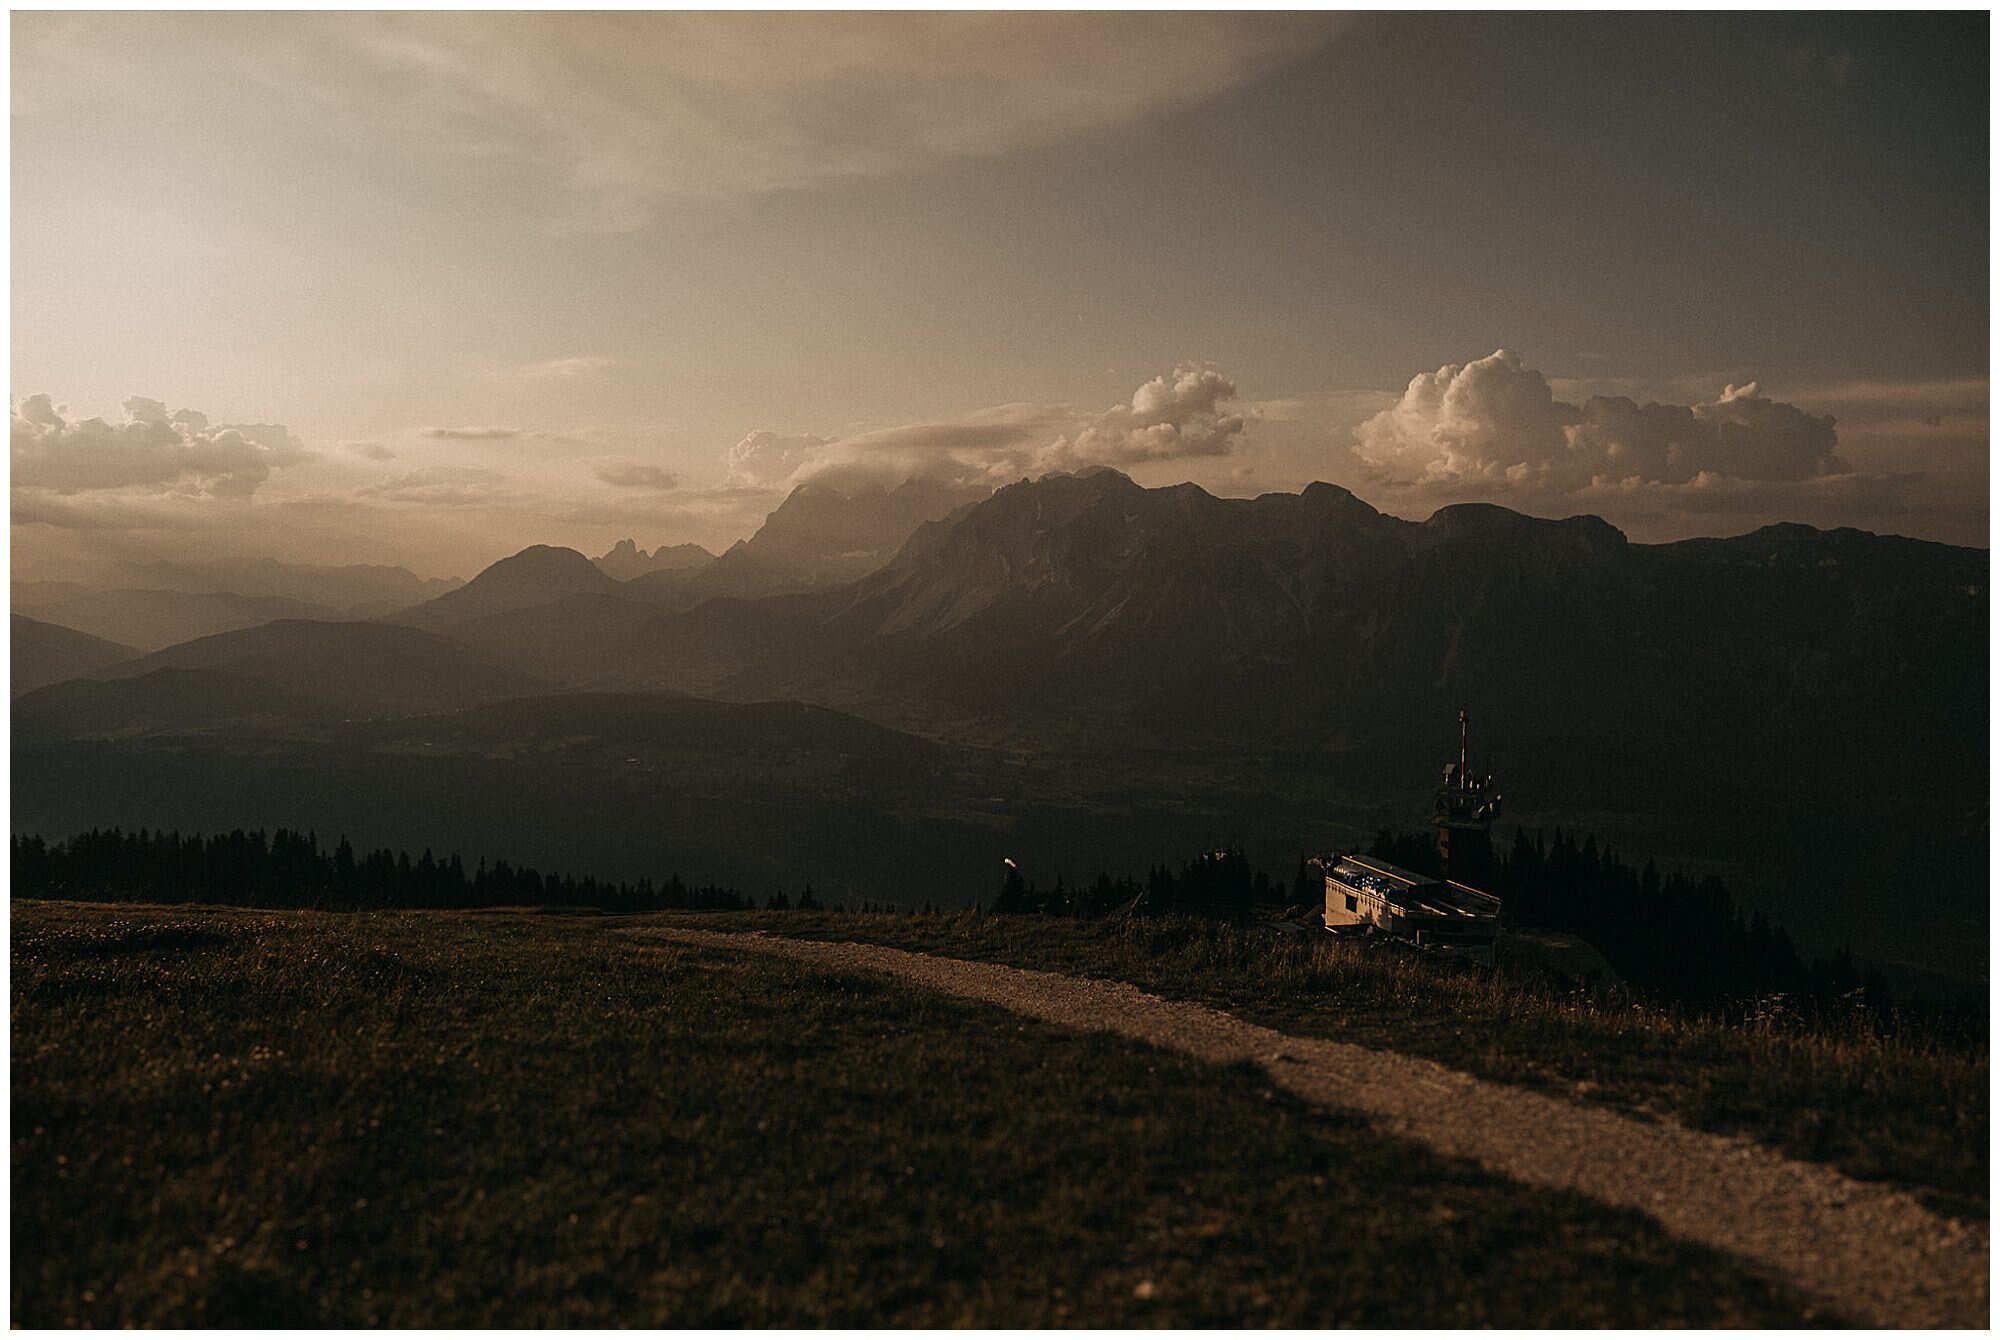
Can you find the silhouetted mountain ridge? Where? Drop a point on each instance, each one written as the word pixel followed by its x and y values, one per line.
pixel 626 560
pixel 537 575
pixel 358 589
pixel 169 698
pixel 152 618
pixel 360 666
pixel 820 536
pixel 1313 620
pixel 46 653
pixel 668 721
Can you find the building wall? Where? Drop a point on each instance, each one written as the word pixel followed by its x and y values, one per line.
pixel 1348 906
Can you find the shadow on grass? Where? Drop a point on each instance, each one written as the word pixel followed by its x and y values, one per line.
pixel 431 1119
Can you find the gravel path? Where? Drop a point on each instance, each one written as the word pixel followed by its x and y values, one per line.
pixel 1876 1255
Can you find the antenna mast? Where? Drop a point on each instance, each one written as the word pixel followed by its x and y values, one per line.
pixel 1461 745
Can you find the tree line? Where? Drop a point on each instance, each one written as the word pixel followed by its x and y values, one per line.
pixel 1218 885
pixel 289 869
pixel 1673 936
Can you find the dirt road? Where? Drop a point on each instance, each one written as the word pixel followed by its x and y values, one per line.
pixel 1876 1255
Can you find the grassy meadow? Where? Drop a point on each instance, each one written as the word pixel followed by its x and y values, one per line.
pixel 227 1117
pixel 1901 1109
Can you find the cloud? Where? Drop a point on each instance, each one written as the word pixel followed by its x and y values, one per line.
pixel 1823 497
pixel 39 507
pixel 635 475
pixel 627 111
pixel 1924 402
pixel 765 458
pixel 1169 418
pixel 440 486
pixel 373 451
pixel 550 369
pixel 607 117
pixel 1282 409
pixel 576 365
pixel 151 451
pixel 1494 426
pixel 982 446
pixel 739 510
pixel 476 434
pixel 1177 415
pixel 1479 420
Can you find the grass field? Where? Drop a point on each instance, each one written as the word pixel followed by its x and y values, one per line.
pixel 1897 1109
pixel 242 1118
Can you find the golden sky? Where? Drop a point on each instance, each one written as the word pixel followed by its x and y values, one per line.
pixel 425 289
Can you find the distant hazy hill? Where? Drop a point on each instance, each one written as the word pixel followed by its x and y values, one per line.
pixel 46 653
pixel 364 666
pixel 627 560
pixel 671 721
pixel 537 575
pixel 820 536
pixel 165 699
pixel 583 639
pixel 153 618
pixel 360 589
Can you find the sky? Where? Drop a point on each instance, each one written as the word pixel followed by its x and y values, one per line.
pixel 425 289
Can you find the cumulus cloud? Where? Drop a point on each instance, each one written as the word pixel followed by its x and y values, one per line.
pixel 1494 425
pixel 440 486
pixel 373 451
pixel 152 450
pixel 1178 415
pixel 764 458
pixel 635 475
pixel 1171 417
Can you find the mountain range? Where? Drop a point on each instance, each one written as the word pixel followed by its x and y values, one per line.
pixel 151 618
pixel 1314 621
pixel 156 604
pixel 538 575
pixel 1304 620
pixel 351 588
pixel 626 560
pixel 821 536
pixel 346 667
pixel 1808 706
pixel 46 653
